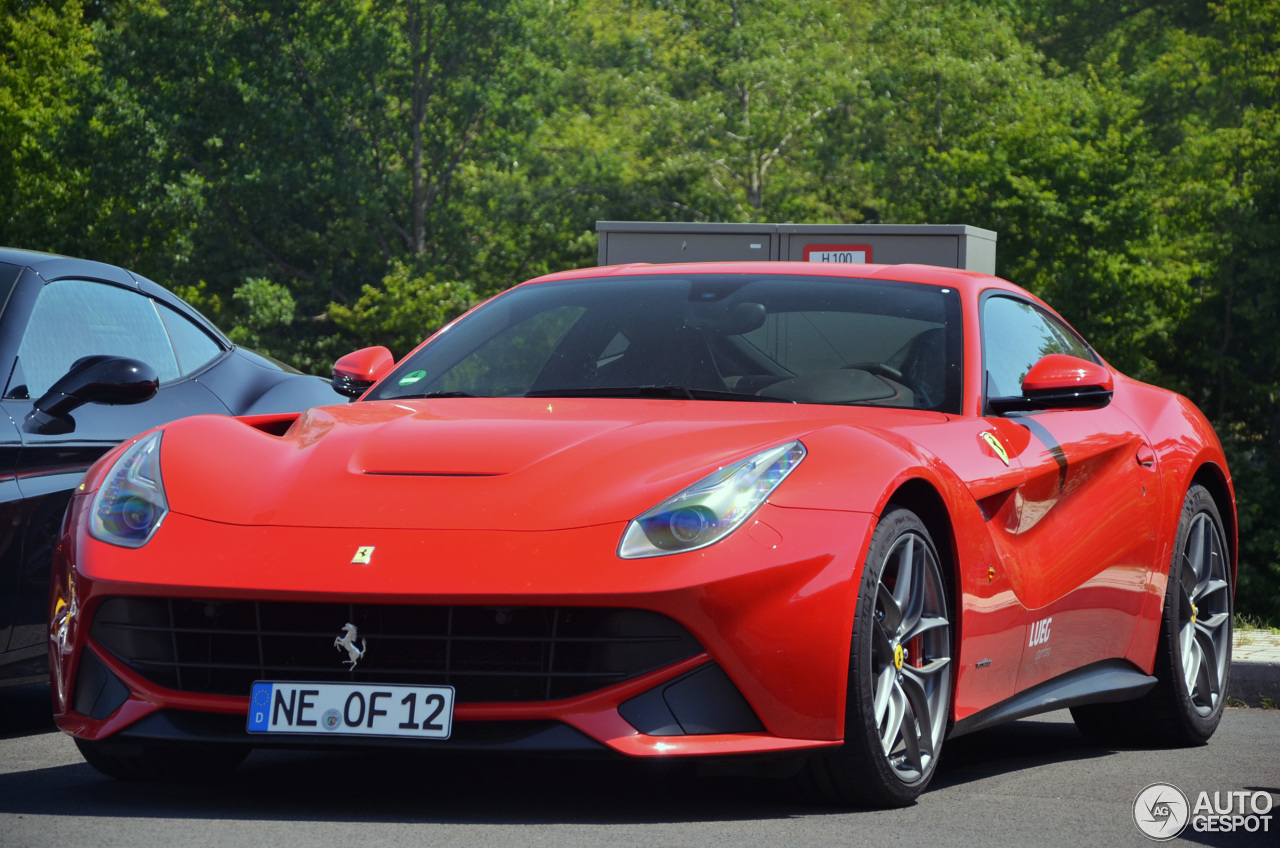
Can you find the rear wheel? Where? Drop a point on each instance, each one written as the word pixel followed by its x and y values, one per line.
pixel 129 760
pixel 899 675
pixel 1193 656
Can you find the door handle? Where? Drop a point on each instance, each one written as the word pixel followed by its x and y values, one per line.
pixel 1146 456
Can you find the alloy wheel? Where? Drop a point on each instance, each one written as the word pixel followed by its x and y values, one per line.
pixel 1204 614
pixel 911 652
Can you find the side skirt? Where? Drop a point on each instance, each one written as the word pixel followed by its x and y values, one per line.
pixel 1102 682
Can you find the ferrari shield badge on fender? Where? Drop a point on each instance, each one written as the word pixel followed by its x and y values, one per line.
pixel 991 439
pixel 364 553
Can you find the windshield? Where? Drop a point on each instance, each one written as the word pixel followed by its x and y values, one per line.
pixel 743 337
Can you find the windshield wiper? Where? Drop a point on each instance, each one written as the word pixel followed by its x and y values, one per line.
pixel 681 392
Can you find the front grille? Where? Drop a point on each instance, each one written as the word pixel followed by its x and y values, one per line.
pixel 487 653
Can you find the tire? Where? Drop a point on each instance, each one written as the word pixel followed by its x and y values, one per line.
pixel 1193 655
pixel 900 675
pixel 161 761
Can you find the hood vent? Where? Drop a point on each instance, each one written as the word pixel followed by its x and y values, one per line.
pixel 433 474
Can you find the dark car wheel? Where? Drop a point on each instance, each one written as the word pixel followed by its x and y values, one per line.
pixel 1193 657
pixel 160 761
pixel 899 675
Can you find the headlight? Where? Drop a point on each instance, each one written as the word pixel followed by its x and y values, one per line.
pixel 712 508
pixel 130 503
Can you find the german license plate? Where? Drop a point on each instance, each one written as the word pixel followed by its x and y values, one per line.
pixel 351 709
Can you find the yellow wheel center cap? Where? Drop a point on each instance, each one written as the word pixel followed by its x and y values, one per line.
pixel 898 655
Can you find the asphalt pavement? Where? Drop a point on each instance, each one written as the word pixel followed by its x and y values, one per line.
pixel 1035 782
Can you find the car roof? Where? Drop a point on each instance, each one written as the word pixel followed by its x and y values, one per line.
pixel 958 278
pixel 51 266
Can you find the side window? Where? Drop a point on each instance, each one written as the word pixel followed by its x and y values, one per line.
pixel 75 318
pixel 191 345
pixel 1015 335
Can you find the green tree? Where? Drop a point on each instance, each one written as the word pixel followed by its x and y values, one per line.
pixel 716 105
pixel 404 309
pixel 46 57
pixel 312 144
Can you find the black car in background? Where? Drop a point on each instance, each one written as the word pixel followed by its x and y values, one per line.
pixel 90 355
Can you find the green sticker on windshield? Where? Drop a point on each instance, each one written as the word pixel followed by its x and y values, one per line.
pixel 412 377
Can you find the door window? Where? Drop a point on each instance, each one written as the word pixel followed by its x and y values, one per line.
pixel 75 318
pixel 192 345
pixel 1015 336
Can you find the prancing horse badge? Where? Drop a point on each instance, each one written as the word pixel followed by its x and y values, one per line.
pixel 364 553
pixel 989 438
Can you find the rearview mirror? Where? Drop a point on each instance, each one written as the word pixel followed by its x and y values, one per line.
pixel 113 380
pixel 1059 381
pixel 354 373
pixel 713 317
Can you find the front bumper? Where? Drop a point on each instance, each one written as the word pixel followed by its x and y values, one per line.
pixel 771 607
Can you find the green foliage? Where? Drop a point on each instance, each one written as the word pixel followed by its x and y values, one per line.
pixel 265 310
pixel 404 309
pixel 199 296
pixel 721 105
pixel 46 57
pixel 1253 459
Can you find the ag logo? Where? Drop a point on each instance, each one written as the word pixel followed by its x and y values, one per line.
pixel 1161 811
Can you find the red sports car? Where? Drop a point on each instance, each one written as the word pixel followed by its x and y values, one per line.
pixel 827 516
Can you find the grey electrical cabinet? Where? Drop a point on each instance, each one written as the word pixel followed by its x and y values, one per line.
pixel 948 245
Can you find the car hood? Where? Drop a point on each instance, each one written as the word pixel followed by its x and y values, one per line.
pixel 473 463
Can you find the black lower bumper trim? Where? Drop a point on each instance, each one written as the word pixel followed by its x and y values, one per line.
pixel 98 692
pixel 497 736
pixel 704 701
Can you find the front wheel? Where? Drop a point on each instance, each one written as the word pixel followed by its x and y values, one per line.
pixel 899 692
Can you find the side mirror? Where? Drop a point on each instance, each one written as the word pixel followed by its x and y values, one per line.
pixel 112 380
pixel 354 373
pixel 1059 381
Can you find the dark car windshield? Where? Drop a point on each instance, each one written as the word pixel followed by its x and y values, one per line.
pixel 749 337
